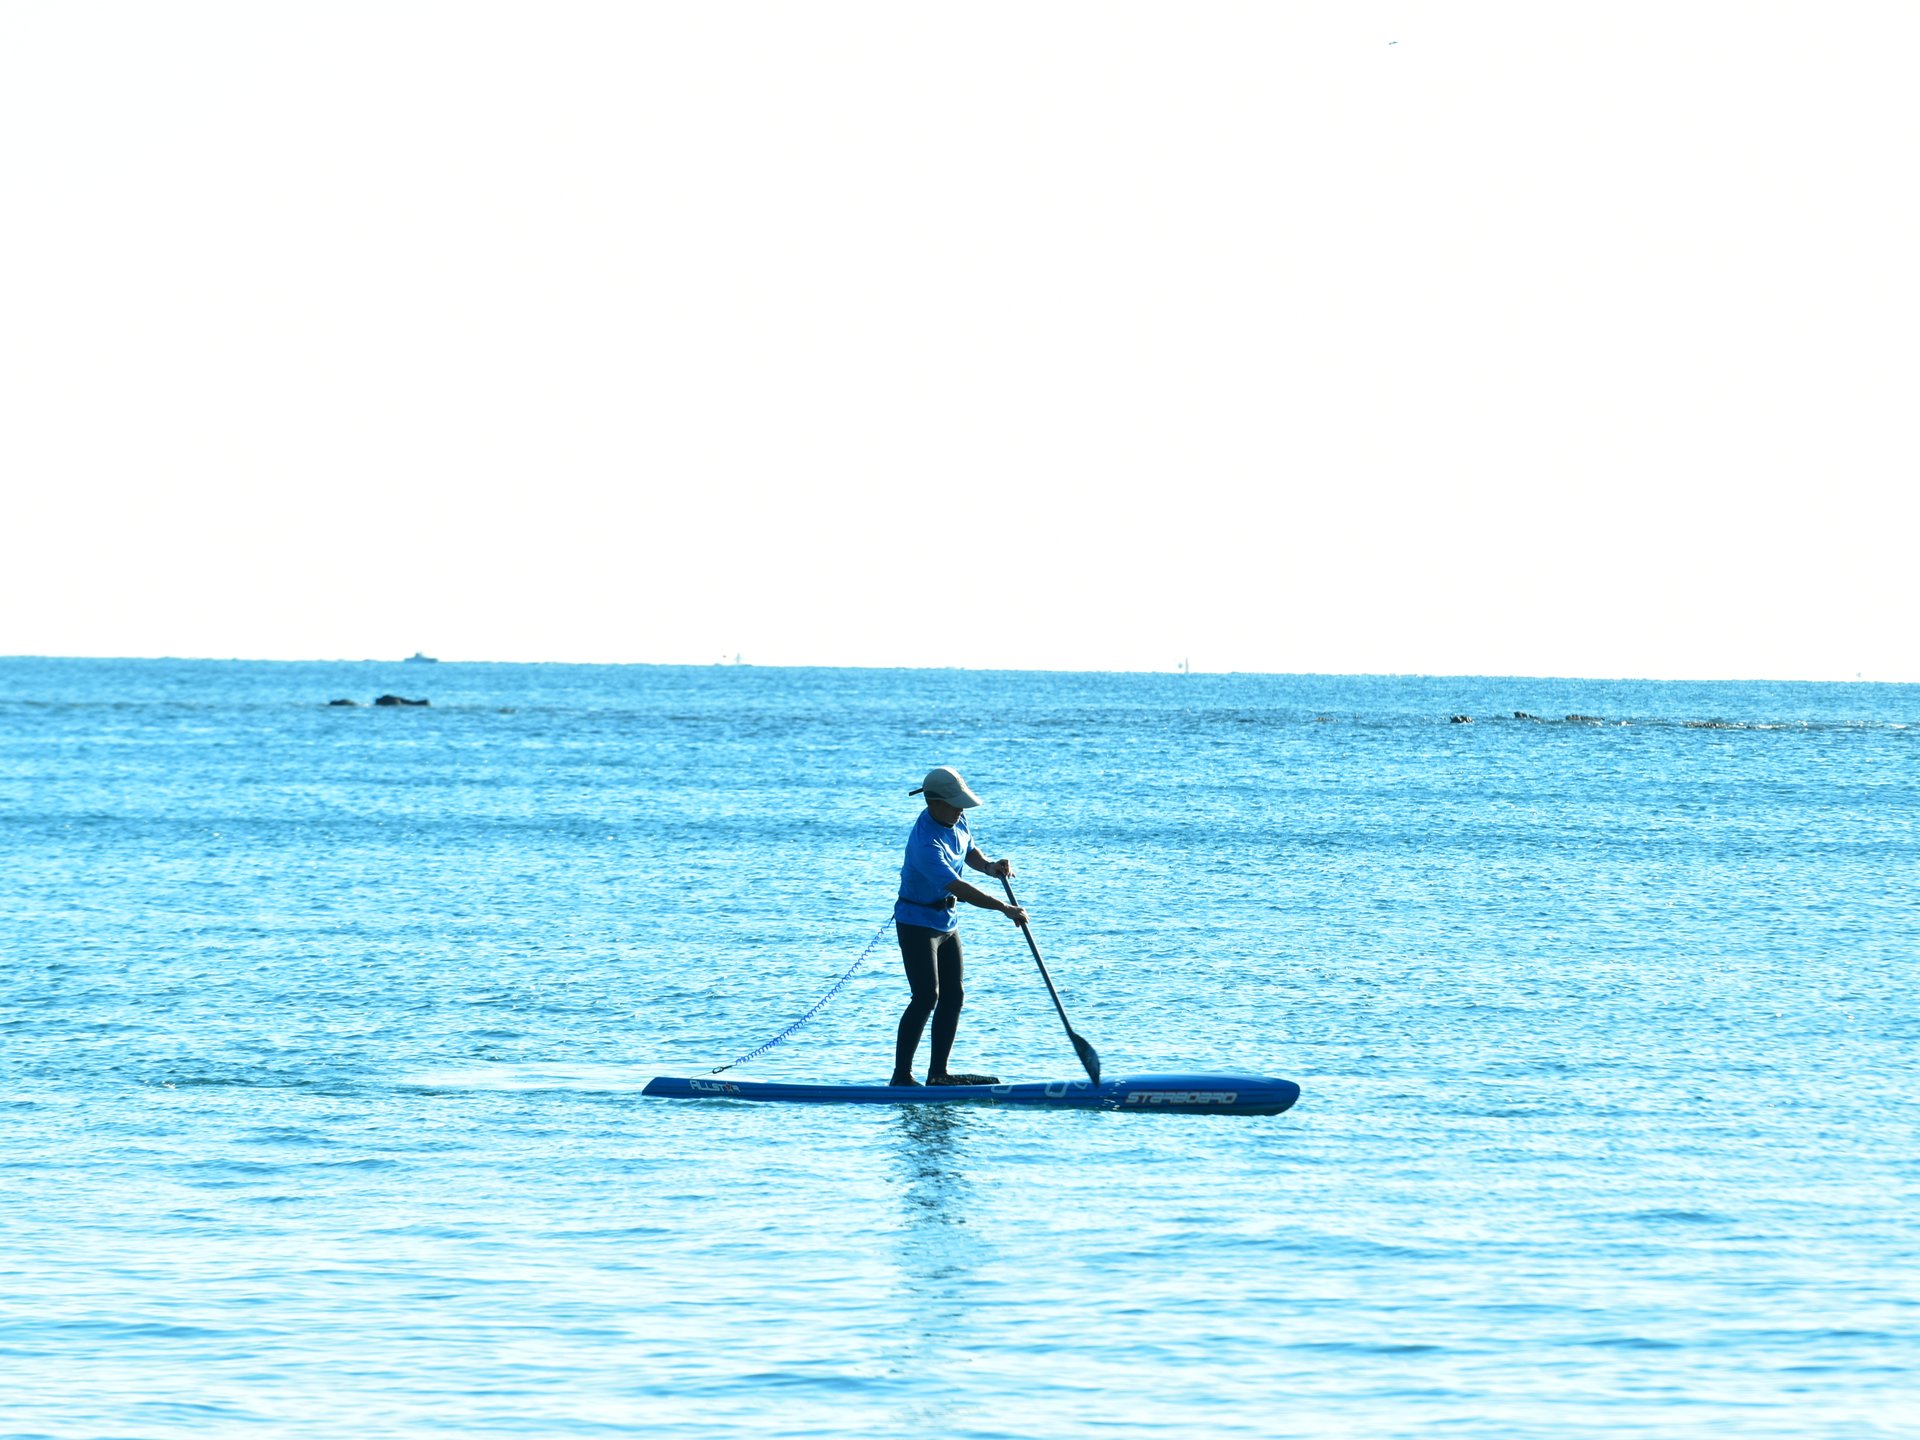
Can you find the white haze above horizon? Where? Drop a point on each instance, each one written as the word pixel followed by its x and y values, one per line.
pixel 1463 339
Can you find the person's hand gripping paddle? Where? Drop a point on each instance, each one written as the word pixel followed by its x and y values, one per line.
pixel 1089 1057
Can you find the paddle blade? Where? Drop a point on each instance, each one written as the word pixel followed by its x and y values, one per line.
pixel 1089 1056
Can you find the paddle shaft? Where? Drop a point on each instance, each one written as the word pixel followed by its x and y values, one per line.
pixel 1080 1046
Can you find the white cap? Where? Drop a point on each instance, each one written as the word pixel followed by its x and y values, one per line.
pixel 945 785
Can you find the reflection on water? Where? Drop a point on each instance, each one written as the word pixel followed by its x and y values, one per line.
pixel 939 1255
pixel 938 1252
pixel 930 1149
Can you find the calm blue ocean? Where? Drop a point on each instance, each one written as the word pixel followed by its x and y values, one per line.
pixel 321 1032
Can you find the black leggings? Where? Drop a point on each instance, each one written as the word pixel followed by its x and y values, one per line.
pixel 932 958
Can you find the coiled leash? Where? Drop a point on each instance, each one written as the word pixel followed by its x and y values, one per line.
pixel 818 1005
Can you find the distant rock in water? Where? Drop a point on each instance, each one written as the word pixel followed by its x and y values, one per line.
pixel 1585 720
pixel 1459 719
pixel 1523 715
pixel 399 700
pixel 343 702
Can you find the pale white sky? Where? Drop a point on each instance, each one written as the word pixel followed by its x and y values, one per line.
pixel 1482 338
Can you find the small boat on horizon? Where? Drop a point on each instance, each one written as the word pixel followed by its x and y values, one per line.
pixel 420 657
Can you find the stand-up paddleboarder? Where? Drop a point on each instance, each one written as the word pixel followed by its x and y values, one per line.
pixel 940 850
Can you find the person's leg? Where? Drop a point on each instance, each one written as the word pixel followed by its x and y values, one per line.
pixel 916 953
pixel 950 996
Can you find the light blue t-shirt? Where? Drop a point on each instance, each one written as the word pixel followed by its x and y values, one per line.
pixel 936 857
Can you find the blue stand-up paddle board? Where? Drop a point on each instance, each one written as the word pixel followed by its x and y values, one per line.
pixel 1204 1094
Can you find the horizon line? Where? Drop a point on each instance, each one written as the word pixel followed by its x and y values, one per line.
pixel 1179 672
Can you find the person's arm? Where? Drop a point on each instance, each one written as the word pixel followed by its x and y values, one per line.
pixel 999 869
pixel 961 890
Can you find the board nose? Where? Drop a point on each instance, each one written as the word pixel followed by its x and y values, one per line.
pixel 1285 1091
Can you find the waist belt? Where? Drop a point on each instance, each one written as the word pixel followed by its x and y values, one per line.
pixel 945 902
